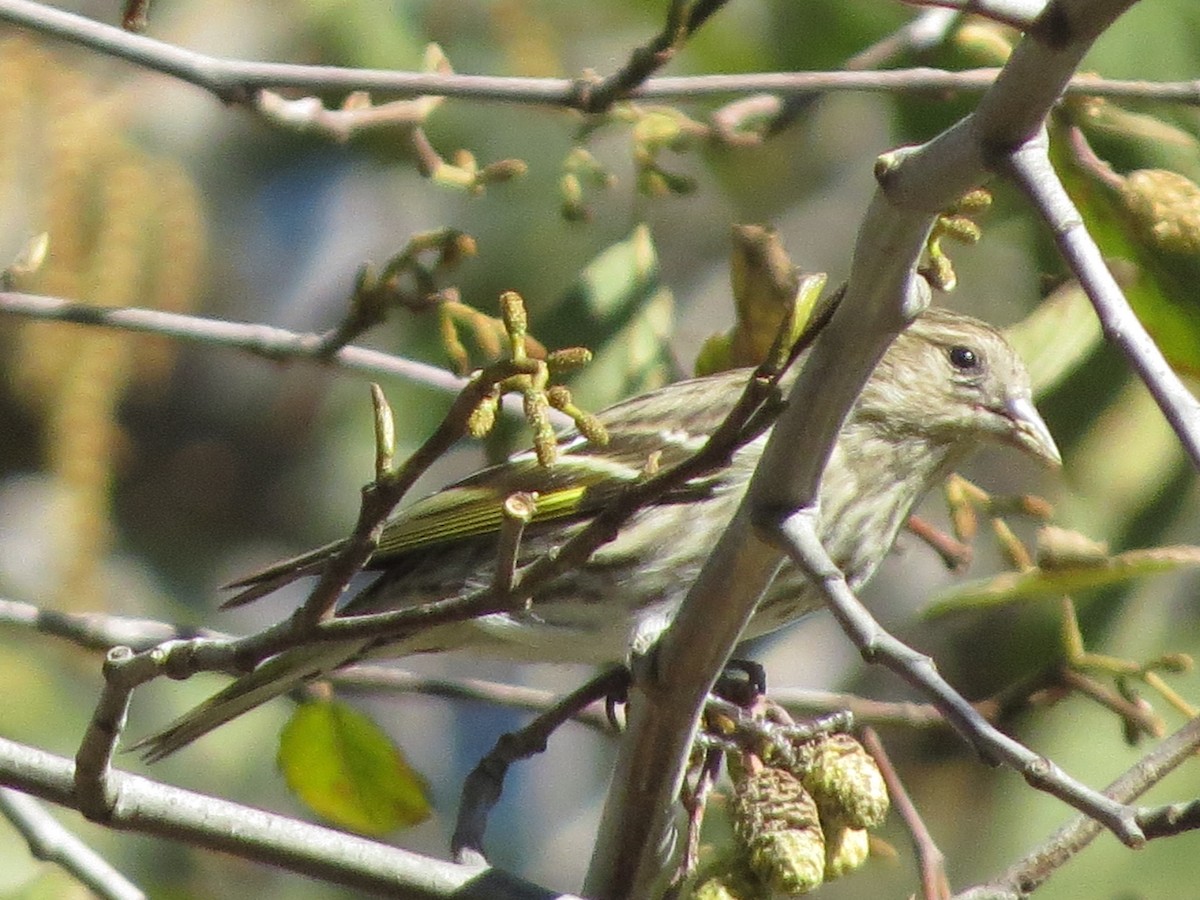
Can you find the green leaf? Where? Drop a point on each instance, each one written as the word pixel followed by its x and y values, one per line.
pixel 1162 295
pixel 619 309
pixel 347 770
pixel 1057 337
pixel 1043 582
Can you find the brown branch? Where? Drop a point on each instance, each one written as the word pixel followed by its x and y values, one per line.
pixel 935 885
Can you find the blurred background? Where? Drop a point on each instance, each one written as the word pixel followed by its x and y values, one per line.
pixel 138 475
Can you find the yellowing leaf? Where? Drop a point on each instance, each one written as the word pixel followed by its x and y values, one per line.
pixel 344 768
pixel 1038 583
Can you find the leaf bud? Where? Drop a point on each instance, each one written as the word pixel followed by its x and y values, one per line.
pixel 1059 548
pixel 483 416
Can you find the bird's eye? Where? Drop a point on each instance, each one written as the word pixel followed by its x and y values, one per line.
pixel 964 358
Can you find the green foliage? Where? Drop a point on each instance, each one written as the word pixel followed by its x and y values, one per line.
pixel 347 770
pixel 1057 337
pixel 1048 581
pixel 620 309
pixel 1145 219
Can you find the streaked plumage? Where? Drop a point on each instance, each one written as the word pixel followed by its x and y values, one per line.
pixel 947 384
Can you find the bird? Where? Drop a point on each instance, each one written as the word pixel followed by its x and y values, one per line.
pixel 946 385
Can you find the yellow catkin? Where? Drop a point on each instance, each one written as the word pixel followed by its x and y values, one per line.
pixel 77 140
pixel 175 275
pixel 124 229
pixel 82 428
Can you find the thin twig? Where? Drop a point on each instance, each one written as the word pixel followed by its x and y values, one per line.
pixel 935 885
pixel 376 678
pixel 483 786
pixel 681 22
pixel 96 631
pixel 877 645
pixel 235 81
pixel 1030 168
pixel 1026 875
pixel 265 341
pixel 49 841
pixel 93 761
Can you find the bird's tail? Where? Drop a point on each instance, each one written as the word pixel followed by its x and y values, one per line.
pixel 274 677
pixel 284 572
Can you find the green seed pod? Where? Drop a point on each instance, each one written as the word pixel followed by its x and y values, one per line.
pixel 725 887
pixel 845 781
pixel 846 849
pixel 776 820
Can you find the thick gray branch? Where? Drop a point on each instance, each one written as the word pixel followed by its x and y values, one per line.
pixel 882 295
pixel 148 807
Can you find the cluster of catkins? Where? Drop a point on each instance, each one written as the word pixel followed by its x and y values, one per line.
pixel 801 819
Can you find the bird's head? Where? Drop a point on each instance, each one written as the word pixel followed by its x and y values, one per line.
pixel 955 379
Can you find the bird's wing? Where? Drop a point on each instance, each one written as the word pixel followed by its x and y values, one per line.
pixel 586 477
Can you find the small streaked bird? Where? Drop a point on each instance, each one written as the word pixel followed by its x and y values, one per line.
pixel 947 384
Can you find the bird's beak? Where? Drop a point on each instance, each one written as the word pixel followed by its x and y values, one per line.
pixel 1029 431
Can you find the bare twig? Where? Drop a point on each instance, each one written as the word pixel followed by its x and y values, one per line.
pixel 93 761
pixel 94 631
pixel 683 18
pixel 235 81
pixel 1030 168
pixel 370 678
pixel 152 808
pixel 49 841
pixel 483 786
pixel 935 885
pixel 275 344
pixel 1038 865
pixel 873 712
